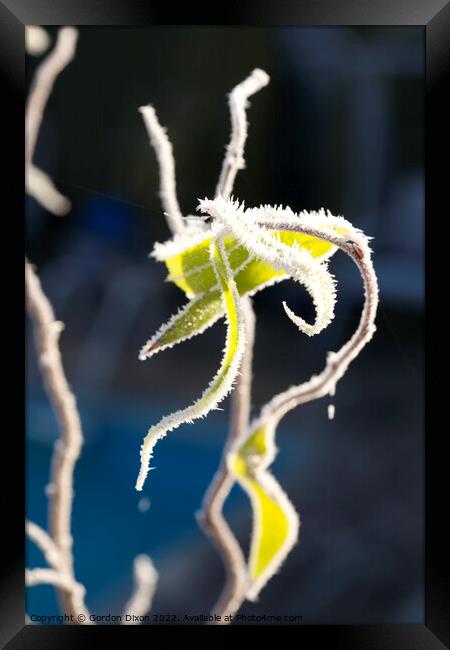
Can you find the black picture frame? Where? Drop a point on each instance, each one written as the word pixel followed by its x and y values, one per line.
pixel 434 17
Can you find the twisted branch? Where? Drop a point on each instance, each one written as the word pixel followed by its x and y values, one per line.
pixel 318 386
pixel 211 517
pixel 337 363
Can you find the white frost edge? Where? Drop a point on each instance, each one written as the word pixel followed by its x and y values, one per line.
pixel 198 410
pixel 295 261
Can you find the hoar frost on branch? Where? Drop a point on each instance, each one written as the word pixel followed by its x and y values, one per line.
pixel 220 260
pixel 56 545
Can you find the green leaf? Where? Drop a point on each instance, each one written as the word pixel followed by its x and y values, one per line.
pixel 222 383
pixel 192 272
pixel 197 315
pixel 275 521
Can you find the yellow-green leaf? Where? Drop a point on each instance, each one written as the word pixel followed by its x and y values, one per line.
pixel 193 318
pixel 222 383
pixel 275 521
pixel 192 272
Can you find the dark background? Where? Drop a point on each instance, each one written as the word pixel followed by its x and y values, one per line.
pixel 339 126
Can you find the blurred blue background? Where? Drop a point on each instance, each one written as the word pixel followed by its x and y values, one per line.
pixel 340 126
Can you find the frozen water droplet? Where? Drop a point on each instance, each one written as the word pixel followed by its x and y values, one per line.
pixel 144 504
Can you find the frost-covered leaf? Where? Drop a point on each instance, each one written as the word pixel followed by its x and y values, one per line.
pixel 193 318
pixel 275 521
pixel 191 271
pixel 294 259
pixel 223 381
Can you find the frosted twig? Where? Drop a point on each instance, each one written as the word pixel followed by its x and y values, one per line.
pixel 68 446
pixel 145 580
pixel 211 517
pixel 44 576
pixel 45 544
pixel 65 583
pixel 337 363
pixel 67 449
pixel 234 157
pixel 57 547
pixel 38 184
pixel 41 187
pixel 43 82
pixel 164 154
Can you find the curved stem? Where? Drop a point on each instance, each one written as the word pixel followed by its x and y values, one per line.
pixel 211 517
pixel 164 155
pixel 337 363
pixel 43 82
pixel 234 157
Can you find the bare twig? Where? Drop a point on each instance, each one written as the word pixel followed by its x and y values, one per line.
pixel 234 157
pixel 43 82
pixel 68 446
pixel 64 583
pixel 164 154
pixel 41 187
pixel 57 547
pixel 211 517
pixel 44 576
pixel 145 580
pixel 45 544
